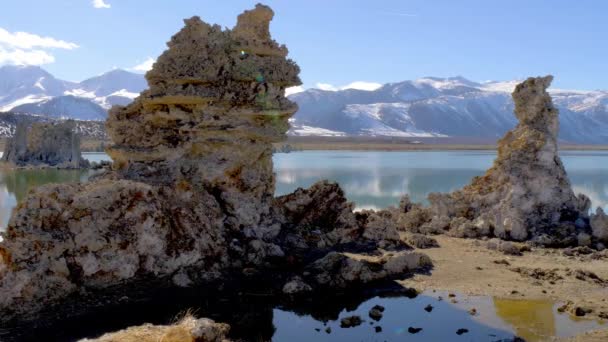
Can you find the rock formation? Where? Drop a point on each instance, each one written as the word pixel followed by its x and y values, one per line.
pixel 187 329
pixel 599 225
pixel 190 199
pixel 526 195
pixel 45 145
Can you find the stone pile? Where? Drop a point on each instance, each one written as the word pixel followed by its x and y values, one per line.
pixel 45 145
pixel 190 199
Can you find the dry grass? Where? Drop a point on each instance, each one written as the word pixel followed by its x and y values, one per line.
pixel 178 332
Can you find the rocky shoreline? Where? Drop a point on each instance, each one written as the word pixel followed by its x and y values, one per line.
pixel 190 198
pixel 190 202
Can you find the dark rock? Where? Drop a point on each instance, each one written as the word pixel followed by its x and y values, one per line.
pixel 350 321
pixel 462 331
pixel 413 330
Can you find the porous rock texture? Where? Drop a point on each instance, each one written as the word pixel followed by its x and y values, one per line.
pixel 188 329
pixel 525 195
pixel 45 145
pixel 190 199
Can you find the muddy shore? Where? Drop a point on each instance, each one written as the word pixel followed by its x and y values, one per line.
pixel 469 267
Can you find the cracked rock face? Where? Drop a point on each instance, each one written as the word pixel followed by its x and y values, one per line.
pixel 190 199
pixel 526 194
pixel 45 145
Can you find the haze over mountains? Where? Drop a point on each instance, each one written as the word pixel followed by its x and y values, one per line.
pixel 427 107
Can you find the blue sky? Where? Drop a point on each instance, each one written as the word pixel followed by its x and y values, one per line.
pixel 335 42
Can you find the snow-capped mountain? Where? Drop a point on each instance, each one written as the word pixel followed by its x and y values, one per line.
pixel 426 107
pixel 64 107
pixel 31 89
pixel 439 107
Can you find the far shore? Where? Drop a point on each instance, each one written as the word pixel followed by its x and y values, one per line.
pixel 402 144
pixel 364 144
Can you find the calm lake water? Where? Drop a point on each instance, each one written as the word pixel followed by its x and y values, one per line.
pixel 370 179
pixel 256 317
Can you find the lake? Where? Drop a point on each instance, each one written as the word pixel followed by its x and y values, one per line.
pixel 370 179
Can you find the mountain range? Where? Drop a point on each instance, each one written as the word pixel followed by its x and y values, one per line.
pixel 422 108
pixel 31 89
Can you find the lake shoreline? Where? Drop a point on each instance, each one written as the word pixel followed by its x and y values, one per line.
pixel 381 145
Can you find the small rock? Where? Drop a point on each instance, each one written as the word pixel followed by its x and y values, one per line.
pixel 428 308
pixel 509 248
pixel 328 330
pixel 581 311
pixel 296 286
pixel 375 313
pixel 502 262
pixel 378 329
pixel 473 312
pixel 422 241
pixel 413 330
pixel 462 331
pixel 350 321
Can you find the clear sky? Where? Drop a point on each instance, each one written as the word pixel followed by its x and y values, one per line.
pixel 335 42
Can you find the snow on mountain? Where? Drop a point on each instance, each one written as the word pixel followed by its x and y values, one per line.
pixel 32 88
pixel 65 107
pixel 426 107
pixel 86 129
pixel 24 100
pixel 436 107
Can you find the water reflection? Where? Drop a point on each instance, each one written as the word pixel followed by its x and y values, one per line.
pixel 370 179
pixel 378 179
pixel 538 320
pixel 255 315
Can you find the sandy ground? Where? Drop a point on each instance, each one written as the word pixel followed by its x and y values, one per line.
pixel 469 267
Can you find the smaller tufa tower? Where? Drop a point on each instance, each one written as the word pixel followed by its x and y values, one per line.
pixel 526 194
pixel 45 145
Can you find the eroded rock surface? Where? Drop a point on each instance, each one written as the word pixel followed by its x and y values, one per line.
pixel 190 199
pixel 526 195
pixel 187 329
pixel 45 145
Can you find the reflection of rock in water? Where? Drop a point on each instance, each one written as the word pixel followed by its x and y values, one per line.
pixel 20 182
pixel 533 320
pixel 45 144
pixel 379 189
pixel 248 311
